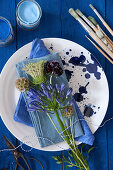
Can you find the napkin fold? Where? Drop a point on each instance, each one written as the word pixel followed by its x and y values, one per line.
pixel 41 122
pixel 39 50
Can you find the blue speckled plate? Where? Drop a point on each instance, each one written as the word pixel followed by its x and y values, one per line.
pixel 85 76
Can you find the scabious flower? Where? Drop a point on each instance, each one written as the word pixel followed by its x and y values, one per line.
pixel 54 67
pixel 47 99
pixel 22 84
pixel 68 111
pixel 36 71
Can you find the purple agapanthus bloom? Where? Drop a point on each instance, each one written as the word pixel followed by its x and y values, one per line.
pixel 58 101
pixel 69 92
pixel 58 87
pixel 62 86
pixel 48 98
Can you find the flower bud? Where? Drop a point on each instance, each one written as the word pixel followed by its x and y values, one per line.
pixel 22 84
pixel 68 111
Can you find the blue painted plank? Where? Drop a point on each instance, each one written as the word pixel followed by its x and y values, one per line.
pixel 7 10
pixel 72 30
pixel 50 26
pixel 109 73
pixel 6 157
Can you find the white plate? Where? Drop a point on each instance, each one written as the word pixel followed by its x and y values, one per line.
pixel 85 72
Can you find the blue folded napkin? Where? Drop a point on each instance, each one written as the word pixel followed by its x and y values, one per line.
pixel 38 50
pixel 42 124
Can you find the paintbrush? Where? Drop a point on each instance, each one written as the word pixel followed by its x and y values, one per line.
pixel 97 30
pixel 86 19
pixel 97 25
pixel 102 20
pixel 91 32
pixel 99 49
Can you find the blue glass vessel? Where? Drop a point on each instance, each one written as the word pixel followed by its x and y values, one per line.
pixel 28 14
pixel 6 32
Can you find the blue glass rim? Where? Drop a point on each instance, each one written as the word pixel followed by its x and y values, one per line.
pixel 11 30
pixel 27 23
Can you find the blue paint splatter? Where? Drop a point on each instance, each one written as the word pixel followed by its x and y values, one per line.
pixel 98 76
pixel 90 68
pixel 87 76
pixel 63 62
pixel 88 111
pixel 68 74
pixel 67 53
pixel 78 96
pixel 77 61
pixel 51 48
pixel 84 70
pixel 82 89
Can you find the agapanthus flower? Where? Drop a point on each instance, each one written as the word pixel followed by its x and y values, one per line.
pixel 62 86
pixel 54 67
pixel 47 99
pixel 36 71
pixel 69 92
pixel 22 84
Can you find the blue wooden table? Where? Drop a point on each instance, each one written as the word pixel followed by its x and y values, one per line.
pixel 56 22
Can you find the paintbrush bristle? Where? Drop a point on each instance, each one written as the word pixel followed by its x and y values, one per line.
pixel 73 13
pixel 92 20
pixel 79 12
pixel 91 6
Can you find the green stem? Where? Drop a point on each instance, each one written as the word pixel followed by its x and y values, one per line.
pixel 66 127
pixel 51 78
pixel 56 127
pixel 76 152
pixel 72 133
pixel 62 128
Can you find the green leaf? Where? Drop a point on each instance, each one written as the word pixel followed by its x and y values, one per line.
pixel 55 158
pixel 89 152
pixel 66 167
pixel 70 159
pixel 70 165
pixel 59 159
pixel 83 145
pixel 70 153
pixel 65 158
pixel 59 162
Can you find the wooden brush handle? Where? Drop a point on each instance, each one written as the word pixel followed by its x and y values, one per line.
pixel 109 41
pixel 101 44
pixel 108 28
